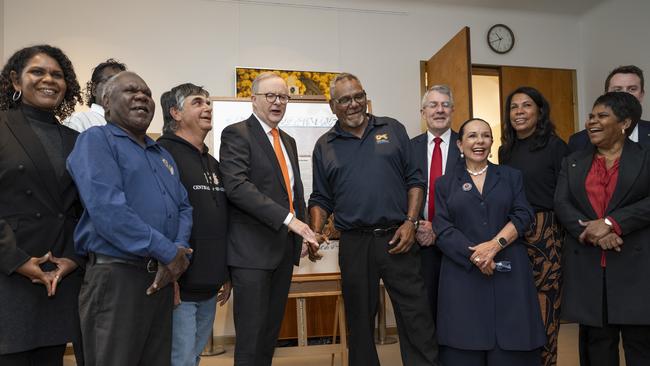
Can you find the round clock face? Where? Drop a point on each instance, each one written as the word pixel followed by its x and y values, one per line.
pixel 500 38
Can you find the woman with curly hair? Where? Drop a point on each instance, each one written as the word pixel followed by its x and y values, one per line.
pixel 529 144
pixel 39 207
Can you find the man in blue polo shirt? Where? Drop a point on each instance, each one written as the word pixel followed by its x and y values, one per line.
pixel 135 231
pixel 364 174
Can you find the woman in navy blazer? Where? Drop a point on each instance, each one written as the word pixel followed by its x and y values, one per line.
pixel 487 314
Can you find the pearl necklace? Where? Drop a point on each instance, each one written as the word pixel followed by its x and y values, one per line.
pixel 477 173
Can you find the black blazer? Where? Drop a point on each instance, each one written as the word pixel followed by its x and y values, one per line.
pixel 628 287
pixel 420 152
pixel 41 211
pixel 255 187
pixel 580 140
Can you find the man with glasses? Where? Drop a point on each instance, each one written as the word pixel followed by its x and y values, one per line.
pixel 259 165
pixel 434 151
pixel 82 121
pixel 365 174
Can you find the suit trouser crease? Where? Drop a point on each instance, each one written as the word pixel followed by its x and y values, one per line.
pixel 364 260
pixel 120 323
pixel 259 299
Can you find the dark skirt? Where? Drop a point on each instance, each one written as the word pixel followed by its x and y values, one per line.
pixel 544 245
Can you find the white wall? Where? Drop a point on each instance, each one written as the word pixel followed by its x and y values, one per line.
pixel 173 41
pixel 2 31
pixel 613 34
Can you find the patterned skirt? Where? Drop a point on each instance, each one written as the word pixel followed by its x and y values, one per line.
pixel 544 244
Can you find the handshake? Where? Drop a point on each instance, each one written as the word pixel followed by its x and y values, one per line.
pixel 310 240
pixel 600 233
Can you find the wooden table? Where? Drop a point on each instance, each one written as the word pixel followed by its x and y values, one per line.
pixel 306 286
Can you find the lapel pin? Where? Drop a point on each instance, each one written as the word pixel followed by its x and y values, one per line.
pixel 467 187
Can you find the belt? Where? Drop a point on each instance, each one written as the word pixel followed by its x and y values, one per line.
pixel 376 231
pixel 148 264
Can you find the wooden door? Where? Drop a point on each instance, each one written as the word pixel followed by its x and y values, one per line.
pixel 452 65
pixel 558 87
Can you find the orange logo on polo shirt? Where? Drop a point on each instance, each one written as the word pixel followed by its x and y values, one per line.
pixel 382 138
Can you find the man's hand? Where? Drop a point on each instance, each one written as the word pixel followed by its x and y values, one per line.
pixel 224 293
pixel 163 278
pixel 32 270
pixel 594 231
pixel 172 271
pixel 424 234
pixel 179 264
pixel 404 238
pixel 177 294
pixel 610 241
pixel 305 232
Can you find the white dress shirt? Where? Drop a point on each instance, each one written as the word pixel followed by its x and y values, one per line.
pixel 444 148
pixel 82 121
pixel 267 131
pixel 634 136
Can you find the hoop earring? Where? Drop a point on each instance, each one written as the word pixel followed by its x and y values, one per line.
pixel 17 95
pixel 462 156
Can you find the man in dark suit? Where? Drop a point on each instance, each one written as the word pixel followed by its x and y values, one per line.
pixel 626 79
pixel 435 152
pixel 259 164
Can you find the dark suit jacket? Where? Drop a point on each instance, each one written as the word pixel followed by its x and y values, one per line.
pixel 255 187
pixel 41 212
pixel 475 311
pixel 580 140
pixel 628 287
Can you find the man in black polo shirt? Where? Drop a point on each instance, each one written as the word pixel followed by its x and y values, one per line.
pixel 363 173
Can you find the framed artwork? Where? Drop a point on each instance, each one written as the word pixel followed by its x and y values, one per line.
pixel 314 84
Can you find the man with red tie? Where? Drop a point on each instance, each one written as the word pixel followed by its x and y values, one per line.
pixel 437 149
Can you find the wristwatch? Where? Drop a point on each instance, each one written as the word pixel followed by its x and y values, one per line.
pixel 415 222
pixel 502 242
pixel 608 222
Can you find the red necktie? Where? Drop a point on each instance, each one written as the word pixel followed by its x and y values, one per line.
pixel 283 164
pixel 436 171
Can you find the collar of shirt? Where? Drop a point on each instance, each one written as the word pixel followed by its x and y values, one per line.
pixel 267 128
pixel 118 131
pixel 337 131
pixel 446 136
pixel 634 136
pixel 97 109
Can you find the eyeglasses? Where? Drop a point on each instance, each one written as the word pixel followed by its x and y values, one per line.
pixel 359 98
pixel 272 97
pixel 435 105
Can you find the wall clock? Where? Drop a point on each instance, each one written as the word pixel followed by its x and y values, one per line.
pixel 500 38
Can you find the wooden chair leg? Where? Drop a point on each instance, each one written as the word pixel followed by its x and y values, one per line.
pixel 336 323
pixel 302 321
pixel 344 332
